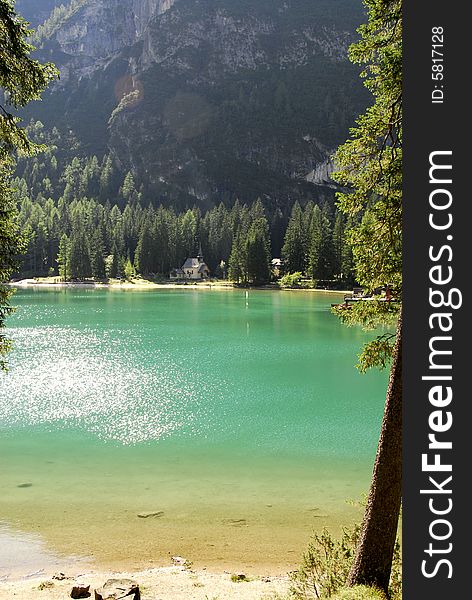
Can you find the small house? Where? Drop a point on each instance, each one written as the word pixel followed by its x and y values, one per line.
pixel 176 274
pixel 276 267
pixel 194 269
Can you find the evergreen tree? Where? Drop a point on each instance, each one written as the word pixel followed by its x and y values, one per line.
pixel 63 258
pixel 257 211
pixel 370 164
pixel 22 79
pixel 238 260
pixel 106 174
pixel 73 177
pixel 129 270
pixel 113 270
pixel 97 259
pixel 278 227
pixel 320 248
pixel 162 242
pixel 347 264
pixel 145 251
pixel 189 233
pixel 41 249
pixel 294 250
pixel 80 265
pixel 128 189
pixel 339 242
pixel 258 258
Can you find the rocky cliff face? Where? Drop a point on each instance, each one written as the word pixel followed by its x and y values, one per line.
pixel 36 11
pixel 208 99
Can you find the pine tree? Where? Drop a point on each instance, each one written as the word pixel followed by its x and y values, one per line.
pixel 339 242
pixel 80 265
pixel 371 165
pixel 237 261
pixel 129 270
pixel 63 258
pixel 145 259
pixel 294 250
pixel 258 258
pixel 128 189
pixel 73 177
pixel 97 259
pixel 22 80
pixel 347 259
pixel 106 174
pixel 320 249
pixel 41 245
pixel 189 233
pixel 113 270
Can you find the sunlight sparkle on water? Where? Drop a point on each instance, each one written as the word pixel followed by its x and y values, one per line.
pixel 99 385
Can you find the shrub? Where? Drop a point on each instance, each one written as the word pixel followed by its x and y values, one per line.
pixel 326 565
pixel 296 280
pixel 360 592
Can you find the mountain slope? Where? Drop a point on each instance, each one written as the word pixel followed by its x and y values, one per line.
pixel 206 100
pixel 36 11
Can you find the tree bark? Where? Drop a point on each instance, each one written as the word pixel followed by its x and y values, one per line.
pixel 373 561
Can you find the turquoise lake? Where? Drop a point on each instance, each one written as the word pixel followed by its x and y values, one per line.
pixel 237 417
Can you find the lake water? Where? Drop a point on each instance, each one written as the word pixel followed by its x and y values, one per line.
pixel 238 417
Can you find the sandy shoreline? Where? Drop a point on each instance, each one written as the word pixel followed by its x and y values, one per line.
pixel 149 285
pixel 209 580
pixel 167 583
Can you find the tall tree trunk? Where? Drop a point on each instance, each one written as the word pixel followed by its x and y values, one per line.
pixel 373 561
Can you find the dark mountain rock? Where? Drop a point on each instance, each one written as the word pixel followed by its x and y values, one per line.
pixel 207 100
pixel 36 11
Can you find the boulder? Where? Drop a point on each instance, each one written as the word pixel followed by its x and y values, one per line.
pixel 114 589
pixel 80 591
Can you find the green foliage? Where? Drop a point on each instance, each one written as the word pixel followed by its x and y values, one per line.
pixel 295 248
pixel 157 238
pixel 239 133
pixel 59 15
pixel 97 255
pixel 250 258
pixel 239 577
pixel 129 270
pixel 80 264
pixel 63 258
pixel 377 353
pixel 372 314
pixel 321 248
pixel 35 12
pixel 325 567
pixel 359 592
pixel 22 80
pixel 296 280
pixel 144 259
pixel 45 585
pixel 237 261
pixel 370 163
pixel 258 255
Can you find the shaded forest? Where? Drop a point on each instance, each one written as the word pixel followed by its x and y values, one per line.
pixel 83 221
